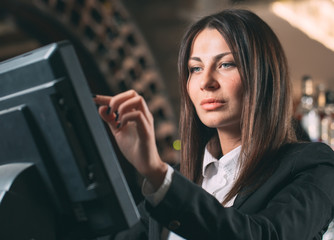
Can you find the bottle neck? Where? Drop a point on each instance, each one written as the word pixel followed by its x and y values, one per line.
pixel 307 101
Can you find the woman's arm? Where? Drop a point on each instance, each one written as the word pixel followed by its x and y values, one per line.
pixel 132 125
pixel 295 203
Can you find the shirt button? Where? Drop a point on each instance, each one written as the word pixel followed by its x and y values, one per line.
pixel 174 225
pixel 222 181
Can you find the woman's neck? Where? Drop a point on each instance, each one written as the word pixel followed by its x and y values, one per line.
pixel 229 140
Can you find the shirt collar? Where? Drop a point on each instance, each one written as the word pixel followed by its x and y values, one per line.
pixel 230 156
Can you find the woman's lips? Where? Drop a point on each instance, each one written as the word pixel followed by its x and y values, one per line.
pixel 212 104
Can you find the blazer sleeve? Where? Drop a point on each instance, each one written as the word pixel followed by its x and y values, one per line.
pixel 299 204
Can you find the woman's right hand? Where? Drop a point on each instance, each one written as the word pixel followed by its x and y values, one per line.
pixel 132 125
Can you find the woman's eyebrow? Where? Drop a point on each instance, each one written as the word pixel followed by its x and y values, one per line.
pixel 216 58
pixel 221 55
pixel 196 59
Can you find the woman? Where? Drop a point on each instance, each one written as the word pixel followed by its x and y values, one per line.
pixel 238 143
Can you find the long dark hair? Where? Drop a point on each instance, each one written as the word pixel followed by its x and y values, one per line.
pixel 267 102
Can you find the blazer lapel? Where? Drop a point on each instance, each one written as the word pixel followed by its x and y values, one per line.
pixel 240 199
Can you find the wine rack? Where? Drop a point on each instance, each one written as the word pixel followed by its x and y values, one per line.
pixel 113 53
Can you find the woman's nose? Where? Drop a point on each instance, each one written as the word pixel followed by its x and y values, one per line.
pixel 209 82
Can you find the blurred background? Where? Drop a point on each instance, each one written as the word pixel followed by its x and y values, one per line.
pixel 134 44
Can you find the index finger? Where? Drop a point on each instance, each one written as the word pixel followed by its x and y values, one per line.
pixel 102 100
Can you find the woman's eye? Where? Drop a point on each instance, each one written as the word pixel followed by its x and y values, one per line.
pixel 195 69
pixel 227 65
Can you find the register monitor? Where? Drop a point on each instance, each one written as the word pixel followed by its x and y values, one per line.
pixel 48 118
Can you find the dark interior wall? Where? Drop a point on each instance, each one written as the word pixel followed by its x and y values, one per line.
pixel 162 24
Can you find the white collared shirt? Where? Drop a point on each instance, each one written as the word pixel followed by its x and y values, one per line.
pixel 218 179
pixel 219 175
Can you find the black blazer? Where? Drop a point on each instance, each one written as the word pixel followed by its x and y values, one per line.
pixel 295 202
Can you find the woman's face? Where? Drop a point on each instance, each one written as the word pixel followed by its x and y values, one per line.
pixel 214 83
